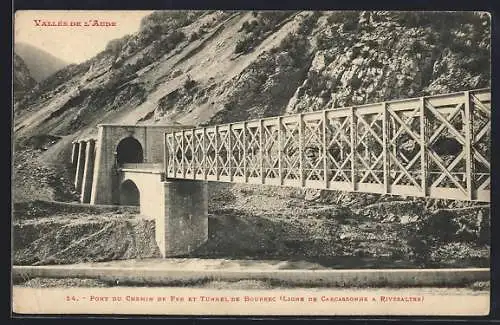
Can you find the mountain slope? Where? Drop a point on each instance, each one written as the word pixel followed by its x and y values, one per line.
pixel 40 63
pixel 207 67
pixel 23 81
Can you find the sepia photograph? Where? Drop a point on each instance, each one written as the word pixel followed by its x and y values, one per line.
pixel 251 163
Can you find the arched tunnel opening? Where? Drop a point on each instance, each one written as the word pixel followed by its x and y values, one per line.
pixel 129 194
pixel 129 150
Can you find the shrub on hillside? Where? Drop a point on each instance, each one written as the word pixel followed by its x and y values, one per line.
pixel 164 45
pixel 297 47
pixel 308 23
pixel 244 45
pixel 349 19
pixel 189 83
pixel 257 29
pixel 169 42
pixel 194 36
pixel 160 23
pixel 116 45
pixel 355 82
pixel 249 27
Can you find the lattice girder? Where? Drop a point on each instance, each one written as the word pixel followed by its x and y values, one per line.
pixel 432 146
pixel 290 143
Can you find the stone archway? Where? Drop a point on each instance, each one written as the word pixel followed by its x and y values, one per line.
pixel 129 194
pixel 129 150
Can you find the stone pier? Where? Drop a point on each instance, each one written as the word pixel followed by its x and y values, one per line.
pixel 74 153
pixel 88 171
pixel 80 165
pixel 179 208
pixel 184 225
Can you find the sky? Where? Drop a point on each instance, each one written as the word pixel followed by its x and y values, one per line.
pixel 74 44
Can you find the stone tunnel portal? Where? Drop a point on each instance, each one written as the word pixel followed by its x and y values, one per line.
pixel 129 150
pixel 128 170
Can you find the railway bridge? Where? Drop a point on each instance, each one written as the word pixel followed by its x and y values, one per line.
pixel 433 147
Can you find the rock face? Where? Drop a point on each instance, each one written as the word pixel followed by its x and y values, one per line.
pixel 219 66
pixel 377 56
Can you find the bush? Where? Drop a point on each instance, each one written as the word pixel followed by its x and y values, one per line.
pixel 194 36
pixel 189 83
pixel 348 18
pixel 273 17
pixel 376 64
pixel 440 20
pixel 372 43
pixel 115 46
pixel 249 27
pixel 476 65
pixel 172 39
pixel 356 82
pixel 117 64
pixel 296 46
pixel 308 24
pixel 166 44
pixel 421 249
pixel 350 25
pixel 243 27
pixel 438 227
pixel 257 28
pixel 165 21
pixel 244 45
pixel 414 19
pixel 460 47
pixel 324 42
pixel 142 62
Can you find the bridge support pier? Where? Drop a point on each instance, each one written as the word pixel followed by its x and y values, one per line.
pixel 184 225
pixel 88 172
pixel 74 153
pixel 80 165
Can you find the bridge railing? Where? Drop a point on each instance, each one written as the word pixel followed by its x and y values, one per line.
pixel 435 146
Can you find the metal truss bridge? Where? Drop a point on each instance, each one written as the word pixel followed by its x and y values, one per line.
pixel 435 146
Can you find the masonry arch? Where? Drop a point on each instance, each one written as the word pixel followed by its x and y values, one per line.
pixel 129 193
pixel 129 150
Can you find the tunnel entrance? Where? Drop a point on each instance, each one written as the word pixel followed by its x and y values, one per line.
pixel 129 150
pixel 129 194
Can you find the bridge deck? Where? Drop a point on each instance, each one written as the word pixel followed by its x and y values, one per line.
pixel 143 167
pixel 435 146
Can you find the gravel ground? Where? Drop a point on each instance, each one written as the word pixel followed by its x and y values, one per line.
pixel 328 229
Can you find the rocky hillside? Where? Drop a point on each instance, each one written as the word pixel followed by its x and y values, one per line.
pixel 207 67
pixel 40 63
pixel 22 79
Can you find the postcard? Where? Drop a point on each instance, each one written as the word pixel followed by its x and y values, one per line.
pixel 256 163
